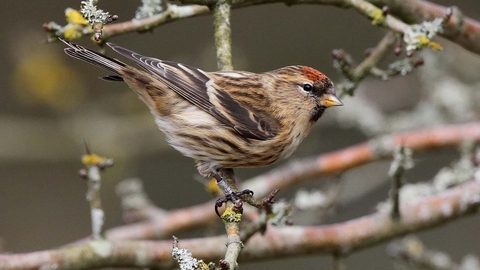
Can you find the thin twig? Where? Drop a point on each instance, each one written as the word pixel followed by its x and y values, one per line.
pixel 412 251
pixel 402 160
pixel 374 57
pixel 339 262
pixel 366 67
pixel 377 15
pixel 173 13
pixel 94 164
pixel 234 243
pixel 93 196
pixel 233 213
pixel 222 32
pixel 231 219
pixel 395 196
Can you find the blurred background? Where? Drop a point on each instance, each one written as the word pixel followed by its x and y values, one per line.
pixel 51 103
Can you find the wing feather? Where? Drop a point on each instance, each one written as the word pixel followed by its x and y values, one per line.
pixel 249 121
pixel 197 87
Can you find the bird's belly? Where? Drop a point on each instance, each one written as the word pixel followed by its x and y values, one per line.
pixel 198 135
pixel 225 150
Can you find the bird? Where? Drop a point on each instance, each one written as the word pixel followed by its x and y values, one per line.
pixel 223 119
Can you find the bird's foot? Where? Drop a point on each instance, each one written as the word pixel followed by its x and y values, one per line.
pixel 235 197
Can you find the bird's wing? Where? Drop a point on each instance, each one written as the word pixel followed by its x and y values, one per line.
pixel 200 89
pixel 242 103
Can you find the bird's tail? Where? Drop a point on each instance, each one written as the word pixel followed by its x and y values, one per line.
pixel 95 58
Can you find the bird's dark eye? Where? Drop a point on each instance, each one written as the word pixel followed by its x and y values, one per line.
pixel 308 87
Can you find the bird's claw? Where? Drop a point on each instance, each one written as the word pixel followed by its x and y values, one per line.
pixel 234 197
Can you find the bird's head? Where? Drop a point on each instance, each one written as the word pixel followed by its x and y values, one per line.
pixel 311 86
pixel 320 87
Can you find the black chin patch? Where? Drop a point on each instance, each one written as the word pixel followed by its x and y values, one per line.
pixel 316 113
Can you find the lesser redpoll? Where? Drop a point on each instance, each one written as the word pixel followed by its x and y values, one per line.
pixel 224 119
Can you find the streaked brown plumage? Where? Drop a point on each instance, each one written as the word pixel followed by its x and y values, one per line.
pixel 224 119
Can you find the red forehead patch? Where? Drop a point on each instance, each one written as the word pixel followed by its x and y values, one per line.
pixel 312 74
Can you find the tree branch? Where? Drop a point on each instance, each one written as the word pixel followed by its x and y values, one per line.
pixel 459 29
pixel 339 238
pixel 301 171
pixel 172 13
pixel 222 30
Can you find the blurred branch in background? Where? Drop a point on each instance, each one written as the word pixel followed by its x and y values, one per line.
pixel 299 172
pixel 449 199
pixel 410 251
pixel 341 238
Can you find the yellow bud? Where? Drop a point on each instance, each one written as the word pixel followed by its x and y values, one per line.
pixel 72 32
pixel 435 46
pixel 231 216
pixel 424 41
pixel 92 160
pixel 203 266
pixel 212 187
pixel 377 17
pixel 73 16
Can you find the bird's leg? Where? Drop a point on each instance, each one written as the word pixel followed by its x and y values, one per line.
pixel 226 183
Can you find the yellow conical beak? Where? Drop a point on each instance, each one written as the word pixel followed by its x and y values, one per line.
pixel 329 100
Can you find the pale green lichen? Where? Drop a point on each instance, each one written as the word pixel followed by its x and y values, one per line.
pixel 92 14
pixel 403 66
pixel 311 200
pixel 281 213
pixel 149 8
pixel 231 216
pixel 185 259
pixel 402 160
pixel 462 171
pixel 418 36
pixel 101 247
